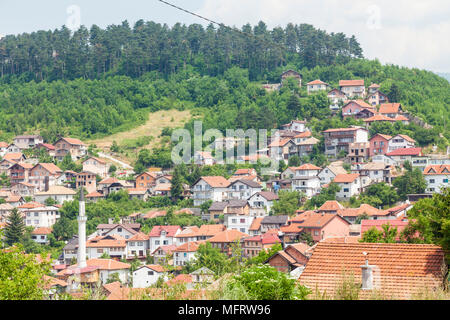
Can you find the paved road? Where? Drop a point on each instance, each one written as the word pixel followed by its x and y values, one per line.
pixel 121 163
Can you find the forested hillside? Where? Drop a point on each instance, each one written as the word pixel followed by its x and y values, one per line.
pixel 97 82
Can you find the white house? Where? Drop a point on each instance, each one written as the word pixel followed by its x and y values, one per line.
pixel 309 185
pixel 112 245
pixel 209 188
pixel 238 222
pixel 401 141
pixel 162 236
pixel 436 177
pixel 137 246
pixel 57 193
pixel 350 185
pixel 148 275
pixel 296 126
pixel 327 174
pixel 243 189
pixel 373 170
pixel 185 253
pixel 96 165
pixel 261 203
pixel 41 217
pixel 40 235
pixel 353 88
pixel 317 85
pixel 108 267
pixel 204 158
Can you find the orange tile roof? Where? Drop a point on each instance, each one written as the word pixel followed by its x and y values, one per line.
pixel 138 237
pixel 188 232
pixel 216 181
pixel 401 269
pixel 405 152
pixel 401 118
pixel 364 208
pixel 170 231
pixel 94 194
pixel 228 236
pixel 384 136
pixel 306 166
pixel 191 246
pixel 310 219
pixel 362 104
pixel 305 134
pixel 343 130
pixel 256 224
pixel 156 267
pixel 52 282
pixel 210 230
pixel 108 264
pixel 292 228
pixel 74 141
pixel 50 167
pixel 317 82
pixel 346 178
pixel 31 205
pixel 13 156
pixel 374 85
pixel 379 117
pixel 389 108
pixel 109 180
pixel 3 144
pixel 331 205
pixel 279 142
pixel 97 159
pixel 437 169
pixel 346 239
pixel 347 83
pixel 42 230
pixel 100 242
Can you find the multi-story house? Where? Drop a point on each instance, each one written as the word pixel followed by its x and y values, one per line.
pixel 185 253
pixel 391 110
pixel 145 180
pixel 40 235
pixel 373 170
pixel 401 141
pixel 28 142
pixel 305 147
pixel 405 154
pixel 350 185
pixel 377 98
pixel 353 88
pixel 57 193
pixel 162 236
pixel 273 222
pixel 374 87
pixel 96 166
pixel 86 180
pixel 225 239
pixel 112 245
pixel 281 149
pixel 358 109
pixel 261 203
pixel 317 85
pixel 242 189
pixel 252 246
pixel 44 175
pixel 309 185
pixel 379 144
pixel 41 217
pixel 137 246
pixel 19 172
pixel 336 97
pixel 240 222
pixel 3 148
pixel 358 152
pixel 340 139
pixel 213 188
pixel 76 148
pixel 148 275
pixel 298 126
pixel 436 177
pixel 291 74
pixel 327 174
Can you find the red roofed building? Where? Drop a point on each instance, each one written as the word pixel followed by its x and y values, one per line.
pixel 391 110
pixel 163 236
pixel 185 253
pixel 355 108
pixel 340 139
pixel 44 175
pixel 209 188
pixel 353 88
pixel 350 185
pixel 396 271
pixel 293 256
pixel 252 246
pixel 378 224
pixel 405 154
pixel 76 148
pixel 379 144
pixel 436 177
pixel 224 239
pixel 316 85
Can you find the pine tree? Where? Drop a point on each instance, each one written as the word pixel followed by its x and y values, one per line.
pixel 15 228
pixel 176 188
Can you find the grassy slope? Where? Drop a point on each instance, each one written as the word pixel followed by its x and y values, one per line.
pixel 152 128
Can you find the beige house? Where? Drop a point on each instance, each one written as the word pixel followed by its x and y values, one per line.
pixel 76 148
pixel 96 166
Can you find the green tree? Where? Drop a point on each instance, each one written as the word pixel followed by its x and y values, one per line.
pixel 294 161
pixel 15 228
pixel 176 189
pixel 287 204
pixel 211 258
pixel 412 182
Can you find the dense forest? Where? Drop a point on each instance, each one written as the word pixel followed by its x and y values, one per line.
pixel 100 81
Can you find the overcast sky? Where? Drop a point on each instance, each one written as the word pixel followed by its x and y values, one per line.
pixel 413 33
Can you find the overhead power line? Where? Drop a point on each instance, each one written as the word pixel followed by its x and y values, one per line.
pixel 271 43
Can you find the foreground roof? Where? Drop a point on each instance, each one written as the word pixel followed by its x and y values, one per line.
pixel 401 269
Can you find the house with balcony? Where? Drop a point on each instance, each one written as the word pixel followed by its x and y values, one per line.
pixel 316 86
pixel 340 139
pixel 405 154
pixel 379 144
pixel 253 245
pixel 206 188
pixel 41 217
pixel 350 185
pixel 242 189
pixel 392 110
pixel 358 109
pixel 19 172
pixel 353 88
pixel 97 166
pixel 358 152
pixel 336 97
pixel 112 245
pixel 401 141
pixel 28 141
pixel 44 175
pixel 377 98
pixel 75 147
pixel 137 246
pixel 162 236
pixel 261 203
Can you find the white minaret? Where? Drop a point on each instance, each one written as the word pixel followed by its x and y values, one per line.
pixel 82 232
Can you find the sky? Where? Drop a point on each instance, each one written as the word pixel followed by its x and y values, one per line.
pixel 412 33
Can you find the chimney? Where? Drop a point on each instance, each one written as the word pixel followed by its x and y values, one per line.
pixel 367 275
pixel 46 183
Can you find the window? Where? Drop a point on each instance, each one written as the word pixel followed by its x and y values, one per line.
pixel 445 180
pixel 316 233
pixel 150 273
pixel 431 180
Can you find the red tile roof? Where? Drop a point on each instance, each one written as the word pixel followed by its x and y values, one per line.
pixel 267 238
pixel 331 205
pixel 405 152
pixel 42 231
pixel 364 208
pixel 170 231
pixel 74 141
pixel 387 108
pixel 227 236
pixel 437 169
pixel 384 136
pixel 401 269
pixel 346 178
pixel 379 117
pixel 191 246
pixel 306 166
pixel 317 82
pixel 347 83
pixel 256 224
pixel 216 181
pixel 368 224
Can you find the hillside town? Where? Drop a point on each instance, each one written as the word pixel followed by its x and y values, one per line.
pixel 243 215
